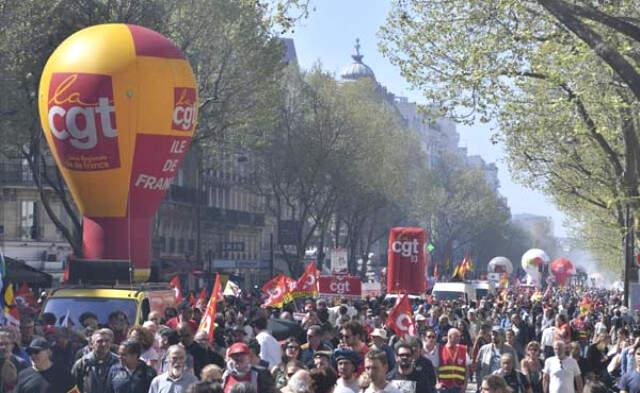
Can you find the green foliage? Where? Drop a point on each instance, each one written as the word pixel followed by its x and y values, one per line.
pixel 565 114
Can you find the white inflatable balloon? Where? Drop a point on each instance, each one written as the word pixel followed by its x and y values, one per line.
pixel 500 265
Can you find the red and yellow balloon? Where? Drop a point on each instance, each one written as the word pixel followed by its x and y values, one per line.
pixel 118 106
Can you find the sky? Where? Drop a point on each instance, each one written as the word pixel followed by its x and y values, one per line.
pixel 328 37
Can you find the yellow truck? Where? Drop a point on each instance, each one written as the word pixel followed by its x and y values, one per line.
pixel 136 301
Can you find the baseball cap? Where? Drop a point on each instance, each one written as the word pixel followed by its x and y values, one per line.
pixel 238 348
pixel 326 354
pixel 37 345
pixel 420 317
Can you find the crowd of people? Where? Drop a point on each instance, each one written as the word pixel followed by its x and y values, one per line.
pixel 516 341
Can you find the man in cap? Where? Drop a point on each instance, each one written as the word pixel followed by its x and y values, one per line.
pixel 239 370
pixel 406 378
pixel 322 359
pixel 347 362
pixel 90 371
pixel 379 341
pixel 44 375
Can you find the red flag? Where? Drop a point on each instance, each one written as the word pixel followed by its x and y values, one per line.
pixel 276 291
pixel 307 284
pixel 202 299
pixel 400 318
pixel 25 294
pixel 207 324
pixel 175 284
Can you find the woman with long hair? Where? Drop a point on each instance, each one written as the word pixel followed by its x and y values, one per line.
pixel 531 366
pixel 290 352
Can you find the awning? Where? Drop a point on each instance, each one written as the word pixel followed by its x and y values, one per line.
pixel 19 272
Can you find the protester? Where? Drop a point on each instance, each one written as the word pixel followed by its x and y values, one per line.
pixel 531 366
pixel 630 381
pixel 44 375
pixel 561 373
pixel 132 374
pixel 517 381
pixel 10 364
pixel 175 379
pixel 376 368
pixel 91 372
pixel 347 362
pixel 454 360
pixel 270 350
pixel 239 369
pixel 406 378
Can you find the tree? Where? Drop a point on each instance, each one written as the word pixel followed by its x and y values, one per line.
pixel 234 53
pixel 459 209
pixel 565 103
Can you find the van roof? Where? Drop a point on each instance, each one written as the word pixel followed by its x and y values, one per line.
pixel 117 293
pixel 127 292
pixel 448 286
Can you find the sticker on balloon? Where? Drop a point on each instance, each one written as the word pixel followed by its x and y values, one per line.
pixel 184 109
pixel 82 120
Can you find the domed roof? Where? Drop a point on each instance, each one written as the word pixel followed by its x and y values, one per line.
pixel 357 69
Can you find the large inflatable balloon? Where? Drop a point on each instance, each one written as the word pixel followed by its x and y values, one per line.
pixel 561 269
pixel 500 265
pixel 534 259
pixel 118 106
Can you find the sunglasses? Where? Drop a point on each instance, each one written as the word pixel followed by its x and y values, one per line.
pixel 293 347
pixel 345 336
pixel 404 355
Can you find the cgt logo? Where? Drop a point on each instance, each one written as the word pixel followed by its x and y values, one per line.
pixel 340 287
pixel 407 248
pixel 404 322
pixel 82 120
pixel 184 109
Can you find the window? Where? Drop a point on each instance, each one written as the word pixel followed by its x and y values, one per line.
pixel 172 244
pixel 192 246
pixel 29 229
pixel 181 246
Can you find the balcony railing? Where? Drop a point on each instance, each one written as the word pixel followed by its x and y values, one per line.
pixel 185 195
pixel 16 173
pixel 211 215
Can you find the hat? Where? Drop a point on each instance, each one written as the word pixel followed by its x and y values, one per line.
pixel 498 329
pixel 420 317
pixel 37 345
pixel 379 333
pixel 238 348
pixel 326 354
pixel 347 354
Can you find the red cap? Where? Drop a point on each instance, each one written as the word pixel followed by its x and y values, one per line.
pixel 238 348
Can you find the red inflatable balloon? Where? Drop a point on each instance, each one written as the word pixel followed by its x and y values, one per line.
pixel 562 268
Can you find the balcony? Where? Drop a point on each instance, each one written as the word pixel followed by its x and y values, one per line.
pixel 15 173
pixel 183 194
pixel 211 215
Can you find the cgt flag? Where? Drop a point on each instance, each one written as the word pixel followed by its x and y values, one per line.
pixel 177 287
pixel 202 299
pixel 307 284
pixel 276 291
pixel 207 324
pixel 400 318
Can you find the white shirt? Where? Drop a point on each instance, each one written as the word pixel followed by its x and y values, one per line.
pixel 432 355
pixel 343 387
pixel 561 374
pixel 270 350
pixel 548 336
pixel 387 389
